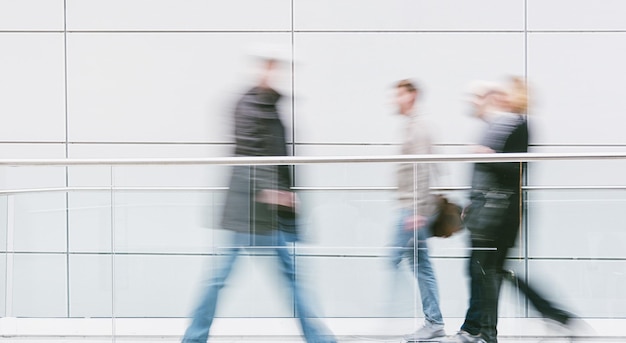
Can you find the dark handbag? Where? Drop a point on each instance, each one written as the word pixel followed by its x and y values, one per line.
pixel 448 218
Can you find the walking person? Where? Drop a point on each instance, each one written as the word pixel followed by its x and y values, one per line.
pixel 259 208
pixel 416 210
pixel 494 214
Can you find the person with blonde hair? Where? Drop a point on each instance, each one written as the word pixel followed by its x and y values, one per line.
pixel 494 214
pixel 518 95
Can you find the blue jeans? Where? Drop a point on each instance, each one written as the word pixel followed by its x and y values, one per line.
pixel 313 330
pixel 417 255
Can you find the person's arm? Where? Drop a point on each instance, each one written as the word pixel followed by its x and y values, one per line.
pixel 421 144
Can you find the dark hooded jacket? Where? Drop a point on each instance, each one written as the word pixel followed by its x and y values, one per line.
pixel 258 132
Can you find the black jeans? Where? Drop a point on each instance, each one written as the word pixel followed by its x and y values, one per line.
pixel 482 315
pixel 486 268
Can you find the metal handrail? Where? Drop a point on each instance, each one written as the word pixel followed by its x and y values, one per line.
pixel 297 188
pixel 108 188
pixel 288 160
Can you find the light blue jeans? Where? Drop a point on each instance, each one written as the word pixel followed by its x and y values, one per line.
pixel 198 331
pixel 417 256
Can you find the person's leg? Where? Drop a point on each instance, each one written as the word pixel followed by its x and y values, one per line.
pixel 492 280
pixel 545 307
pixel 313 329
pixel 472 326
pixel 429 292
pixel 402 237
pixel 478 326
pixel 426 279
pixel 473 316
pixel 399 250
pixel 202 318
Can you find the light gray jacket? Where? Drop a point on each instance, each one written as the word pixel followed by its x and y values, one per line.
pixel 414 178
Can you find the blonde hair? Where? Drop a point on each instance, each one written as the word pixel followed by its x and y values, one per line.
pixel 519 95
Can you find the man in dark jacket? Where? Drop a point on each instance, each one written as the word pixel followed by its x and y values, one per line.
pixel 259 195
pixel 259 208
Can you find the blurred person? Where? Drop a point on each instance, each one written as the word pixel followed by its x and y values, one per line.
pixel 416 211
pixel 259 209
pixel 518 95
pixel 481 96
pixel 494 214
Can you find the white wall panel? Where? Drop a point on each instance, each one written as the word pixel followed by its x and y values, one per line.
pixel 4 211
pixel 589 223
pixel 348 222
pixel 408 15
pixel 346 96
pixel 159 87
pixel 577 78
pixel 38 218
pixel 90 221
pixel 27 15
pixel 32 87
pixel 149 176
pixel 31 177
pixel 90 278
pixel 150 286
pixel 591 289
pixel 172 15
pixel 39 285
pixel 576 15
pixel 40 222
pixel 349 287
pixel 3 284
pixel 152 220
pixel 346 174
pixel 165 222
pixel 587 173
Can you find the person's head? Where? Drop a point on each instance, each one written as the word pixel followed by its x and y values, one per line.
pixel 406 95
pixel 518 95
pixel 484 98
pixel 267 73
pixel 498 99
pixel 269 62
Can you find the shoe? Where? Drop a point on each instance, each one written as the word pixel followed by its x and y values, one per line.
pixel 560 316
pixel 572 326
pixel 425 334
pixel 463 337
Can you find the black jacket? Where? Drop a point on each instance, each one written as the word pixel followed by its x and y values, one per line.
pixel 258 132
pixel 495 210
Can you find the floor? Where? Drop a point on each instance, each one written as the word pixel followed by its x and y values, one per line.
pixel 290 339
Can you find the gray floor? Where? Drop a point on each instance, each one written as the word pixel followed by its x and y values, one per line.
pixel 289 339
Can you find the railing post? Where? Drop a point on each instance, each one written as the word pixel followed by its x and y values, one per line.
pixel 10 252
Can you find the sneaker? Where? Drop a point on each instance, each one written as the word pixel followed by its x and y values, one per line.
pixel 425 333
pixel 463 337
